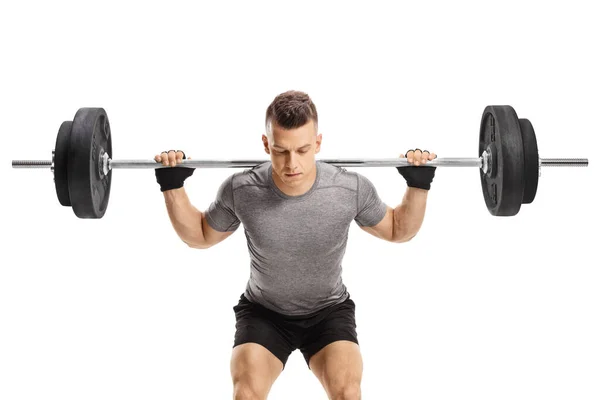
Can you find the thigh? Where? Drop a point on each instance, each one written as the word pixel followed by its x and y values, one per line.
pixel 254 369
pixel 339 368
pixel 338 324
pixel 254 325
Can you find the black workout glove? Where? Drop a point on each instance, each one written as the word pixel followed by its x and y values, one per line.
pixel 419 176
pixel 172 177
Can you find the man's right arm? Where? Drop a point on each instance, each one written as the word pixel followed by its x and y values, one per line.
pixel 189 223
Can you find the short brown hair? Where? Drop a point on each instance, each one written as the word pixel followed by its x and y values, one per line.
pixel 291 109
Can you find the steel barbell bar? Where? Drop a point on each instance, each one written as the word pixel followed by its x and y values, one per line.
pixel 339 162
pixel 509 163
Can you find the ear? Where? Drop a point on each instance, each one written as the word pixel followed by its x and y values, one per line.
pixel 318 142
pixel 265 140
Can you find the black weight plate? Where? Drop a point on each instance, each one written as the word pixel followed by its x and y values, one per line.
pixel 531 160
pixel 89 189
pixel 503 191
pixel 61 155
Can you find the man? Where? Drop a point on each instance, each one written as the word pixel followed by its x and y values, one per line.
pixel 296 214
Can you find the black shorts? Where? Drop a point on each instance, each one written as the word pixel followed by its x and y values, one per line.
pixel 282 334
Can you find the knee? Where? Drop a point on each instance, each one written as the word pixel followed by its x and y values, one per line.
pixel 347 392
pixel 243 391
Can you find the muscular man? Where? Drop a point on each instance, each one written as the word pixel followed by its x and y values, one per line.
pixel 296 212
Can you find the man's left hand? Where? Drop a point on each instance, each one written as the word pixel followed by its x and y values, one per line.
pixel 415 175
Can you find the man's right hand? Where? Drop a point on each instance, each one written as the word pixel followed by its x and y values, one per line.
pixel 171 178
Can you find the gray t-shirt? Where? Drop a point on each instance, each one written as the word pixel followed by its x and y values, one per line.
pixel 296 243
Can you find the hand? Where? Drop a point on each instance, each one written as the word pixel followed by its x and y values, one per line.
pixel 417 157
pixel 171 178
pixel 416 176
pixel 171 157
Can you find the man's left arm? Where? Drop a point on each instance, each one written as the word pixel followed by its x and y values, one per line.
pixel 402 223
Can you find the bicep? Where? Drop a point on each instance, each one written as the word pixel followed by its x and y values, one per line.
pixel 211 235
pixel 385 228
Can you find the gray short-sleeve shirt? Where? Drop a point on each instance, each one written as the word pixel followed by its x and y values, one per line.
pixel 296 243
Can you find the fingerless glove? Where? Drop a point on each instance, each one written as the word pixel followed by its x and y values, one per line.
pixel 172 177
pixel 419 176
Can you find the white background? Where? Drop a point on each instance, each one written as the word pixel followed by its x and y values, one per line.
pixel 475 307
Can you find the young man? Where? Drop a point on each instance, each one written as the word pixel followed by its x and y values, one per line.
pixel 296 214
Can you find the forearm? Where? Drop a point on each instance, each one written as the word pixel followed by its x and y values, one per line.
pixel 185 218
pixel 408 216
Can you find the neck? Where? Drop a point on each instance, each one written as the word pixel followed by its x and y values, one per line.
pixel 299 190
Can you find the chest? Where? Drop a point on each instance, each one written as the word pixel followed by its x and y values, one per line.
pixel 318 221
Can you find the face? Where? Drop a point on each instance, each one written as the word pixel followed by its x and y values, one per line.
pixel 293 155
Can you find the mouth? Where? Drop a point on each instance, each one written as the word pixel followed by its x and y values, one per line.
pixel 293 175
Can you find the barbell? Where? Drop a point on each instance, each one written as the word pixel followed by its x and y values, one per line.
pixel 509 162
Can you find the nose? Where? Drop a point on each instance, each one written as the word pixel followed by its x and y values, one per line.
pixel 291 161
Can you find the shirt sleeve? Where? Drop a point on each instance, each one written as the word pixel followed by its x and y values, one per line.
pixel 220 215
pixel 370 208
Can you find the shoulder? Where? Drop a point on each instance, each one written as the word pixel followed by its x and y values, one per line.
pixel 255 176
pixel 332 175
